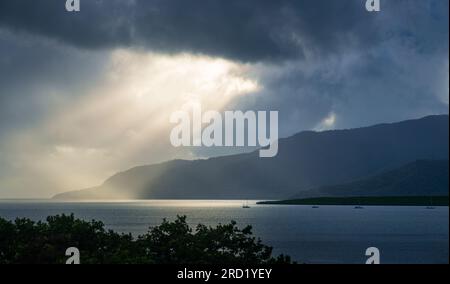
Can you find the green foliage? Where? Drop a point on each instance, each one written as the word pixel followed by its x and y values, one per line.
pixel 26 241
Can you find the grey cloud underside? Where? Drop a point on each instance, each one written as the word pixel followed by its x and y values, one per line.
pixel 36 76
pixel 399 71
pixel 251 30
pixel 401 52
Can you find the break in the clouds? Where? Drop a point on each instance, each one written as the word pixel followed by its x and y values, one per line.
pixel 84 95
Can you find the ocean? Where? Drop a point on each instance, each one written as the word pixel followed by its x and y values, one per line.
pixel 328 234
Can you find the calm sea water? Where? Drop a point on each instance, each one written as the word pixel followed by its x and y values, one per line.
pixel 329 234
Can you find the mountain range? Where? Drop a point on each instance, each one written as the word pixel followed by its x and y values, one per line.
pixel 308 164
pixel 419 178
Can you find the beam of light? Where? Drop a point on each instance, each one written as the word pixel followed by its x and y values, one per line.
pixel 124 120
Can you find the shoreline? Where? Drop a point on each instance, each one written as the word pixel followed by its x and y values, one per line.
pixel 432 201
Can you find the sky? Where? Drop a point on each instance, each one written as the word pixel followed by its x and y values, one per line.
pixel 87 94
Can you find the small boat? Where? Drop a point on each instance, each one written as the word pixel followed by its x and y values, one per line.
pixel 315 207
pixel 246 206
pixel 359 206
pixel 430 207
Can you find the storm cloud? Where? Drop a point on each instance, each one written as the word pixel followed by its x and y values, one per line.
pixel 67 78
pixel 251 30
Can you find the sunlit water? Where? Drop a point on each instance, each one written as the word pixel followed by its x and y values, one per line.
pixel 329 234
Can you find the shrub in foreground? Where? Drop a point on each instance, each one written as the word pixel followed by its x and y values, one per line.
pixel 26 241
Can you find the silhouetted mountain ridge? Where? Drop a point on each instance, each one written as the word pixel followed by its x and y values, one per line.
pixel 304 161
pixel 419 178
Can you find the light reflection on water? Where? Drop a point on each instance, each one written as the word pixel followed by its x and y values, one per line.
pixel 329 234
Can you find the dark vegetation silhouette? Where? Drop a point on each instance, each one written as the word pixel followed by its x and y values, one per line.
pixel 24 241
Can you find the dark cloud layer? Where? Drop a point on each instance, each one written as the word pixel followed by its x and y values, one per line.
pixel 340 58
pixel 248 30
